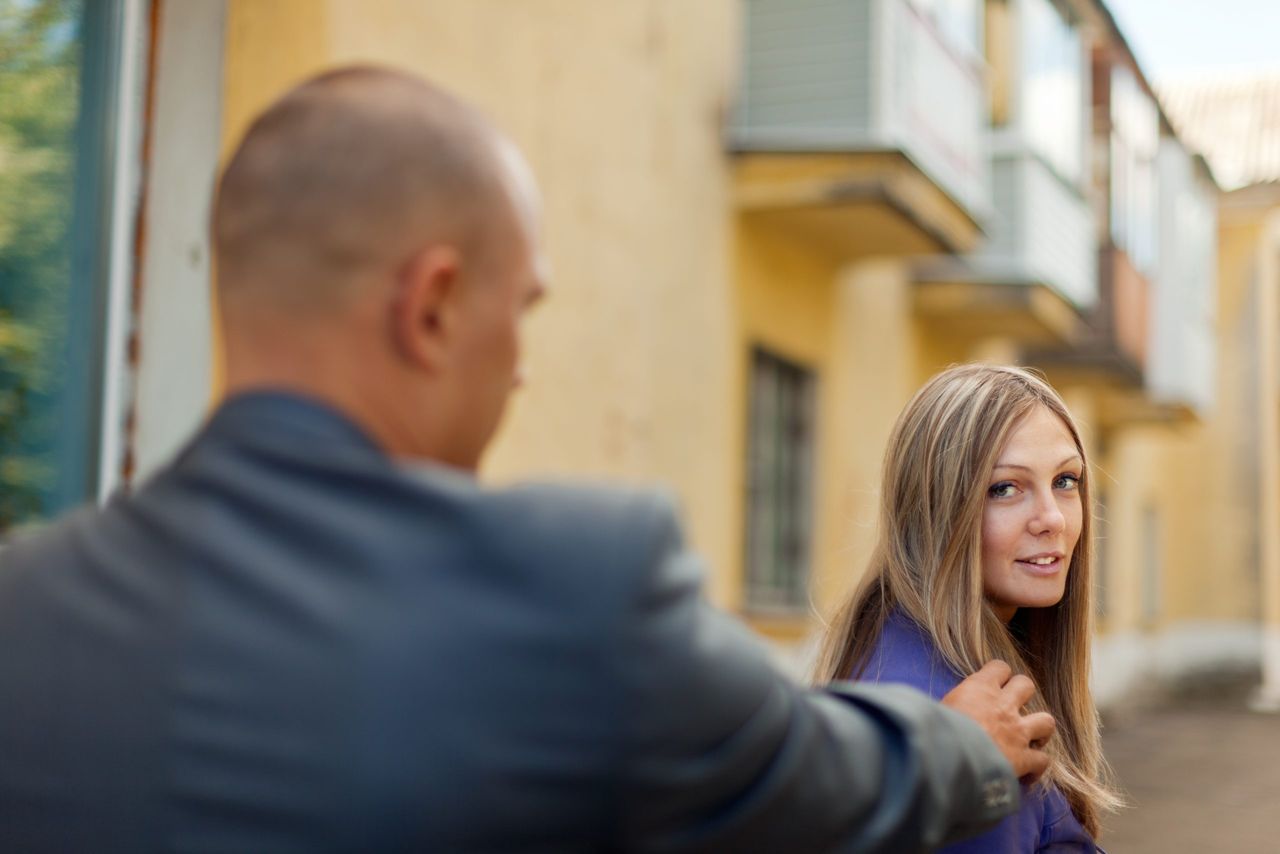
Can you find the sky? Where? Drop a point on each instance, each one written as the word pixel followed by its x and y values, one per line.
pixel 1177 39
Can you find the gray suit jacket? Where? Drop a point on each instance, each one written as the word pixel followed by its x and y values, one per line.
pixel 288 642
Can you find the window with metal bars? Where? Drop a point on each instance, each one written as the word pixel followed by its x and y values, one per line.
pixel 779 483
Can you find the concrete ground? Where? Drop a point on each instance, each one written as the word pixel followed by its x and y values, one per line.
pixel 1202 775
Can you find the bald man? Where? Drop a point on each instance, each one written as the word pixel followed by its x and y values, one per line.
pixel 316 632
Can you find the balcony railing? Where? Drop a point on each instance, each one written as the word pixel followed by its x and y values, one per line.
pixel 864 75
pixel 1043 227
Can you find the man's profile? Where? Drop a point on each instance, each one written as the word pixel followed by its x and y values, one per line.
pixel 315 631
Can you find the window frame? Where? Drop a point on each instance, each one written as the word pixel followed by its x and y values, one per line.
pixel 780 484
pixel 99 244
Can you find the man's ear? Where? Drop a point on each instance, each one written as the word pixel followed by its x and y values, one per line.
pixel 423 314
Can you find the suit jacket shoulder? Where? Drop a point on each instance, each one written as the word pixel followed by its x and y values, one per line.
pixel 598 537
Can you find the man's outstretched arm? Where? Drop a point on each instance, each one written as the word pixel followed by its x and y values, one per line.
pixel 723 753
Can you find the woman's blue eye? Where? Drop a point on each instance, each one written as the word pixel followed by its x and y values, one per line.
pixel 1066 481
pixel 1001 490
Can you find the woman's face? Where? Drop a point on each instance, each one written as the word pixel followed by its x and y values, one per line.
pixel 1032 516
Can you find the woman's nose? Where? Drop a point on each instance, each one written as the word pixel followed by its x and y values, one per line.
pixel 1047 518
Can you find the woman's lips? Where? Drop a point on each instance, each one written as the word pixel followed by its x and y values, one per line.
pixel 1042 569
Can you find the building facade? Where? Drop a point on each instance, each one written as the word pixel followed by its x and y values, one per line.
pixel 1235 120
pixel 769 221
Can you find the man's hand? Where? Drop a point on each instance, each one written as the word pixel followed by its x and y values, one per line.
pixel 994 697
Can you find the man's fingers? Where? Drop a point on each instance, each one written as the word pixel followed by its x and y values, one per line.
pixel 995 671
pixel 1039 727
pixel 1021 688
pixel 1033 765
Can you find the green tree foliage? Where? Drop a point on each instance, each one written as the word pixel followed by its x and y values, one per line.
pixel 39 81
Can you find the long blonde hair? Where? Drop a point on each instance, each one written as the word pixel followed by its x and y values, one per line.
pixel 927 564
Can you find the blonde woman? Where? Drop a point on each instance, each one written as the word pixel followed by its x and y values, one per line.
pixel 984 553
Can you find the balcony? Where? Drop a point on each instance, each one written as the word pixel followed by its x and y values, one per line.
pixel 1043 227
pixel 860 110
pixel 1036 277
pixel 1180 363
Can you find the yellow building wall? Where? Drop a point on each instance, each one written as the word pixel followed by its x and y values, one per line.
pixel 1216 474
pixel 1250 242
pixel 1126 555
pixel 876 365
pixel 1203 478
pixel 269 47
pixel 1208 521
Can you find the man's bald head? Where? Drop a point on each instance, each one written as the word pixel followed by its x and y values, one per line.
pixel 343 179
pixel 377 249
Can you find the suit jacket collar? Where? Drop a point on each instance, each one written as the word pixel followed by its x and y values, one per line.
pixel 294 426
pixel 279 417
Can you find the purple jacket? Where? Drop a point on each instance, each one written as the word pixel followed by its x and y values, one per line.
pixel 905 654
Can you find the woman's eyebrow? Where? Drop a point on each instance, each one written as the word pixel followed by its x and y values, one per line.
pixel 1070 459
